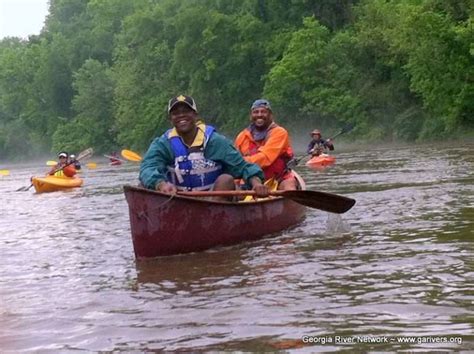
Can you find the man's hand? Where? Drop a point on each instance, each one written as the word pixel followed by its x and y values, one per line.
pixel 329 144
pixel 260 189
pixel 166 187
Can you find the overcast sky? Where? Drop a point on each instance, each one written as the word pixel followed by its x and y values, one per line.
pixel 20 18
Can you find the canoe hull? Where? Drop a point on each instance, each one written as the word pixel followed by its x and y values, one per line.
pixel 163 226
pixel 54 183
pixel 321 161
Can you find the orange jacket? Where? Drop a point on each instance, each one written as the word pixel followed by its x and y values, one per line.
pixel 271 153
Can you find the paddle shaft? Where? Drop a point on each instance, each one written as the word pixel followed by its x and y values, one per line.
pixel 344 130
pixel 334 136
pixel 332 203
pixel 114 158
pixel 224 193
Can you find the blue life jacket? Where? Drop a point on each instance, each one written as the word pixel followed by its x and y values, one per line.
pixel 191 170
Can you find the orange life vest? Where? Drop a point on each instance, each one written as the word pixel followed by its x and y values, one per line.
pixel 271 153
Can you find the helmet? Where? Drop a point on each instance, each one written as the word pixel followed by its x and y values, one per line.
pixel 63 154
pixel 73 157
pixel 315 132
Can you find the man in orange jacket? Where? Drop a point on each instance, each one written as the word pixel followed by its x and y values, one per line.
pixel 268 145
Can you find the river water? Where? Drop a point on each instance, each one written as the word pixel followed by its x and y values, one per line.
pixel 396 272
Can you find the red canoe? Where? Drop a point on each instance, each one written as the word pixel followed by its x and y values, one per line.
pixel 163 226
pixel 321 161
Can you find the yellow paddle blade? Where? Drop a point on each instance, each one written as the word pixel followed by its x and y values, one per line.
pixel 130 155
pixel 5 172
pixel 51 163
pixel 91 165
pixel 271 183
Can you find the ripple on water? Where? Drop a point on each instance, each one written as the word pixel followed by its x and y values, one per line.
pixel 400 263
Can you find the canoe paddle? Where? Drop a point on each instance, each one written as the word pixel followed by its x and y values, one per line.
pixel 83 155
pixel 4 172
pixel 329 202
pixel 131 155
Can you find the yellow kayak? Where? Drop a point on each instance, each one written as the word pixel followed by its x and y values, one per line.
pixel 55 183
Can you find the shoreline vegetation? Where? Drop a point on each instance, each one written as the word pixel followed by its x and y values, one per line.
pixel 101 72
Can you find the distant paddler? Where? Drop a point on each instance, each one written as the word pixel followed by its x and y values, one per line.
pixel 318 145
pixel 63 167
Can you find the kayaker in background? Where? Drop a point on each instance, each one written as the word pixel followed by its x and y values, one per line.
pixel 193 156
pixel 318 145
pixel 74 162
pixel 114 158
pixel 63 167
pixel 268 145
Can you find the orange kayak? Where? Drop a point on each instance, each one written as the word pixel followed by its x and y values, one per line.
pixel 321 161
pixel 55 183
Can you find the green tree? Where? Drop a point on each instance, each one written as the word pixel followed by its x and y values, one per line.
pixel 93 105
pixel 312 80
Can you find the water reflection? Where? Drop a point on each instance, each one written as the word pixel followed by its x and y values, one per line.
pixel 220 266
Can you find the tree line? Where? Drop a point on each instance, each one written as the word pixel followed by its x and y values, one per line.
pixel 100 73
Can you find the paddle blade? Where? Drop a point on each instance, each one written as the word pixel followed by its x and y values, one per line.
pixel 4 172
pixel 24 189
pixel 130 155
pixel 91 165
pixel 51 163
pixel 347 128
pixel 272 184
pixel 332 203
pixel 85 154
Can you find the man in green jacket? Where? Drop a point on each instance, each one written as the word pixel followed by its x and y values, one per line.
pixel 193 156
